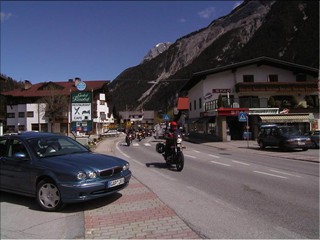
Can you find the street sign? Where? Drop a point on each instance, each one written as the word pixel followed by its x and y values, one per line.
pixel 242 117
pixel 166 117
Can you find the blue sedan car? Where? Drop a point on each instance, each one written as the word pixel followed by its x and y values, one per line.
pixel 57 170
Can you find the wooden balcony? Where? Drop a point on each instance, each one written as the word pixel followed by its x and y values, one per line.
pixel 301 87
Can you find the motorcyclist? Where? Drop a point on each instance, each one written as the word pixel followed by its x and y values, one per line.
pixel 170 137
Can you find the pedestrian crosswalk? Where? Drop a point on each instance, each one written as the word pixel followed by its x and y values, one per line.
pixel 137 144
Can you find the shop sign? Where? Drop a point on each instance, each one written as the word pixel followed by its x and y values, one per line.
pixel 223 90
pixel 231 111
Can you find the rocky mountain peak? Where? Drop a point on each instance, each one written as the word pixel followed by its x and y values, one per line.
pixel 156 50
pixel 276 29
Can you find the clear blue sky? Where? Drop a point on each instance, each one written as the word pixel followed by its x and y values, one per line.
pixel 94 40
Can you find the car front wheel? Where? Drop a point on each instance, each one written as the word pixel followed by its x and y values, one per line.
pixel 48 196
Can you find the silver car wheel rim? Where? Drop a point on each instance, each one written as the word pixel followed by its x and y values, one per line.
pixel 49 195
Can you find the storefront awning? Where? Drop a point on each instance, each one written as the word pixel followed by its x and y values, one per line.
pixel 285 118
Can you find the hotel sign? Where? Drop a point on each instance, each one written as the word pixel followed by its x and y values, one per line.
pixel 81 111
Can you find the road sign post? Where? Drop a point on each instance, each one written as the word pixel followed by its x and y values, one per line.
pixel 243 117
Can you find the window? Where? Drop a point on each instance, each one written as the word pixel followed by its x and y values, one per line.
pixel 200 103
pixel 102 102
pixel 301 77
pixel 194 104
pixel 273 78
pixel 17 147
pixel 248 78
pixel 30 114
pixel 10 115
pixel 3 147
pixel 35 127
pixel 21 114
pixel 21 128
pixel 190 107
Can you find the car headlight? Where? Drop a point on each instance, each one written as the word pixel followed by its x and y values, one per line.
pixel 125 167
pixel 92 174
pixel 81 175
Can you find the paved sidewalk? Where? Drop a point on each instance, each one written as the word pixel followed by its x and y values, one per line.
pixel 135 212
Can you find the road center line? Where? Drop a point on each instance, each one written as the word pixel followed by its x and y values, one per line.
pixel 289 174
pixel 214 156
pixel 196 151
pixel 269 174
pixel 247 164
pixel 190 156
pixel 224 164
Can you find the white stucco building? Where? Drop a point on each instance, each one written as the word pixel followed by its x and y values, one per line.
pixel 258 87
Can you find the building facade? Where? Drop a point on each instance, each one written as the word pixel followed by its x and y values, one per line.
pixel 47 107
pixel 136 118
pixel 258 87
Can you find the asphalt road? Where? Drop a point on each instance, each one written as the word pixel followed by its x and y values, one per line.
pixel 232 194
pixel 220 193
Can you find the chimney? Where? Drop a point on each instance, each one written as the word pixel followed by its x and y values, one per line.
pixel 77 81
pixel 27 84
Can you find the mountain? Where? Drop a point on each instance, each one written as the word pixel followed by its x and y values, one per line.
pixel 284 30
pixel 158 49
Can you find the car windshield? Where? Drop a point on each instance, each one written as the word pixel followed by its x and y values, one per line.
pixel 289 131
pixel 53 146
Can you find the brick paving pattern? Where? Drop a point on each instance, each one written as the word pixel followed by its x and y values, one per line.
pixel 137 214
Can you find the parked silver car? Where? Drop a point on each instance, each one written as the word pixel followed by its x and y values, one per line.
pixel 111 133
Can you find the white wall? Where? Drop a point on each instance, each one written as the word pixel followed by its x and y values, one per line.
pixel 228 79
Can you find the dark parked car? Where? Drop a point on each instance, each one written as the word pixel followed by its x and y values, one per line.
pixel 56 169
pixel 314 135
pixel 284 137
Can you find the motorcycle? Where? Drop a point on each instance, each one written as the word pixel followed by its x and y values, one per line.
pixel 140 136
pixel 129 139
pixel 175 154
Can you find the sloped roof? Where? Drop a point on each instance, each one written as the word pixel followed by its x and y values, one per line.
pixel 183 103
pixel 63 88
pixel 197 77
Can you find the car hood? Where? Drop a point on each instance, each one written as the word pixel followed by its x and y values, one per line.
pixel 83 161
pixel 295 137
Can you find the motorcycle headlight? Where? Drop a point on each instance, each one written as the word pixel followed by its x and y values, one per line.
pixel 179 140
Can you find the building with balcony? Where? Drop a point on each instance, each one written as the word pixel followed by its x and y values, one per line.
pixel 47 107
pixel 267 90
pixel 137 118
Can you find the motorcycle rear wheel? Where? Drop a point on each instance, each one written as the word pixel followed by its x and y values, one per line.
pixel 180 161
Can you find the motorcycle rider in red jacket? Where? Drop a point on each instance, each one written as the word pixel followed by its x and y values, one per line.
pixel 169 136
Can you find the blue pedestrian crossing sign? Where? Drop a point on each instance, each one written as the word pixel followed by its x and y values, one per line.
pixel 166 117
pixel 242 117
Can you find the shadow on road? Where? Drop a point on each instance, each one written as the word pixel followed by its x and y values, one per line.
pixel 31 202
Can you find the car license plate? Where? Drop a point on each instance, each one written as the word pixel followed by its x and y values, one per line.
pixel 116 182
pixel 301 143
